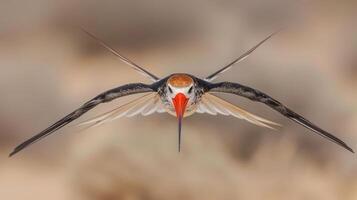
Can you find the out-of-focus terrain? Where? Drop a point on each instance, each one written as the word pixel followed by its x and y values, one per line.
pixel 49 68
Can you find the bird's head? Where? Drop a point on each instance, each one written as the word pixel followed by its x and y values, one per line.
pixel 180 91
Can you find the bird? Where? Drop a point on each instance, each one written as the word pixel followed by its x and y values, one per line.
pixel 180 95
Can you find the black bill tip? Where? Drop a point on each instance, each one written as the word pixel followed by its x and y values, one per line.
pixel 179 133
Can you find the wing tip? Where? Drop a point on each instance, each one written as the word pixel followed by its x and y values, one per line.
pixel 348 148
pixel 18 149
pixel 11 154
pixel 15 151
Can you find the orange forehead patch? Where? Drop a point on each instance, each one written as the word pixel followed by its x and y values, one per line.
pixel 180 80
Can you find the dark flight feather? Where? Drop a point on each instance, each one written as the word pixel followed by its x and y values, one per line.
pixel 239 59
pixel 102 98
pixel 258 96
pixel 121 57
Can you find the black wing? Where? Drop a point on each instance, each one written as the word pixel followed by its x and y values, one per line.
pixel 255 95
pixel 239 59
pixel 122 58
pixel 101 98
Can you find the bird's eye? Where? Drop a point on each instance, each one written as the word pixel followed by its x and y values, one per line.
pixel 190 90
pixel 170 90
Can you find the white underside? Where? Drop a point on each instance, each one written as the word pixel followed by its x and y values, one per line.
pixel 151 103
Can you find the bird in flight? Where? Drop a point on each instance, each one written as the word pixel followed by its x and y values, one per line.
pixel 180 95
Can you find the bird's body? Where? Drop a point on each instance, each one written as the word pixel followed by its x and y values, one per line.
pixel 181 83
pixel 180 95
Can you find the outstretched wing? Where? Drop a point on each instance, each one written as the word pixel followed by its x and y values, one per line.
pixel 256 95
pixel 239 59
pixel 136 67
pixel 145 105
pixel 214 105
pixel 102 98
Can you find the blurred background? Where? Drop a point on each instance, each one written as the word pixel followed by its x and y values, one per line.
pixel 49 68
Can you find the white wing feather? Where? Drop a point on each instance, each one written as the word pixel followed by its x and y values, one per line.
pixel 145 105
pixel 214 105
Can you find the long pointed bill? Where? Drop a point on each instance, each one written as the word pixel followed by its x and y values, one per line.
pixel 180 103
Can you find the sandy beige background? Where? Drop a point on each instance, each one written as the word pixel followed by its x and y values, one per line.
pixel 49 68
